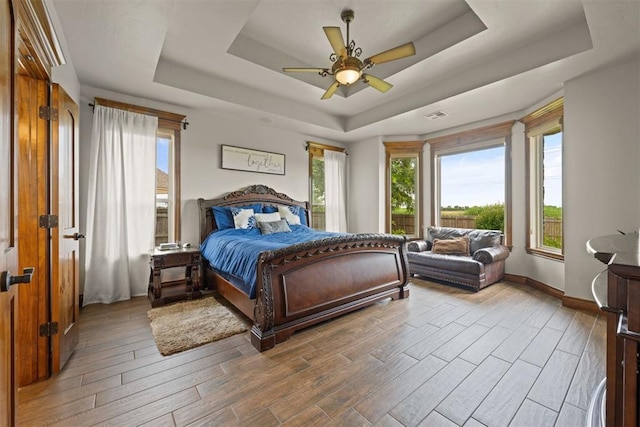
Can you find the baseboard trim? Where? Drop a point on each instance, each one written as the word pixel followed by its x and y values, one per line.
pixel 516 278
pixel 580 304
pixel 567 301
pixel 523 280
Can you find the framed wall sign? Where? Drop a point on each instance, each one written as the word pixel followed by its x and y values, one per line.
pixel 246 159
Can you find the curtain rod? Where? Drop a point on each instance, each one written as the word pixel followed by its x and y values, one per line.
pixel 184 123
pixel 331 148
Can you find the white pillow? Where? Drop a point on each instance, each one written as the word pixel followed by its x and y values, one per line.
pixel 243 218
pixel 286 213
pixel 268 217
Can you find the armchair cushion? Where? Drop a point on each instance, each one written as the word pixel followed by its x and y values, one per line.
pixel 454 246
pixel 479 239
pixel 491 254
pixel 418 246
pixel 459 264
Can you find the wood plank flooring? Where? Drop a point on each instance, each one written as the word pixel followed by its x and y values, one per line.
pixel 508 355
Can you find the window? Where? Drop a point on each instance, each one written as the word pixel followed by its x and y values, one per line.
pixel 168 186
pixel 167 168
pixel 472 190
pixel 165 187
pixel 316 183
pixel 543 129
pixel 471 179
pixel 404 188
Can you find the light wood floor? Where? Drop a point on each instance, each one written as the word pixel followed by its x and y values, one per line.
pixel 508 355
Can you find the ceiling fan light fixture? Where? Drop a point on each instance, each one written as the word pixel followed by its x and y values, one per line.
pixel 348 75
pixel 347 71
pixel 347 68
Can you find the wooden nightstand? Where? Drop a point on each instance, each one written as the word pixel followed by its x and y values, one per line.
pixel 161 293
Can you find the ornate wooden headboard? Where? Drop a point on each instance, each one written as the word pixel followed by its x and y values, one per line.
pixel 252 194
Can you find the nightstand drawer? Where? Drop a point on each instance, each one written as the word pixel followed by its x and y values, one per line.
pixel 176 260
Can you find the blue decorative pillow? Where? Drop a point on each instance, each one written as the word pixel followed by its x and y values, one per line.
pixel 224 218
pixel 269 209
pixel 302 213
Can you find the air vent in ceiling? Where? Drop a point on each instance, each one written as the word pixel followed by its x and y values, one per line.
pixel 436 115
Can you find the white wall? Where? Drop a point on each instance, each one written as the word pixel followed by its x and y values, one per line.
pixel 201 174
pixel 366 186
pixel 367 165
pixel 545 270
pixel 65 76
pixel 601 158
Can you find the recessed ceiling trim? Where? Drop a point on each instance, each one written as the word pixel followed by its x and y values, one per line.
pixel 196 81
pixel 244 47
pixel 552 47
pixel 464 25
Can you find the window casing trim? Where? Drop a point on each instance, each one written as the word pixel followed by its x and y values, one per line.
pixel 316 150
pixel 471 140
pixel 398 150
pixel 546 120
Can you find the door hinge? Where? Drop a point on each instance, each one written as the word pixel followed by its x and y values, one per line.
pixel 48 221
pixel 48 329
pixel 48 113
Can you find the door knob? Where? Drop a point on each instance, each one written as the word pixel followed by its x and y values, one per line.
pixel 7 280
pixel 74 236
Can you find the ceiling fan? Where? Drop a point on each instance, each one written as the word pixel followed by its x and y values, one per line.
pixel 347 68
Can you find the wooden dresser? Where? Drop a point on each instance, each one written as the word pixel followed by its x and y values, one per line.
pixel 617 292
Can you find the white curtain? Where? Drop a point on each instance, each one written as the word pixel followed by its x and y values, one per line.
pixel 335 182
pixel 120 205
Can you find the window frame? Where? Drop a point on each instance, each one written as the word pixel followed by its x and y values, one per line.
pixel 472 140
pixel 166 121
pixel 173 187
pixel 538 123
pixel 316 149
pixel 405 149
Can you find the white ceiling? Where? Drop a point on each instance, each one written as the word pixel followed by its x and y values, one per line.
pixel 475 59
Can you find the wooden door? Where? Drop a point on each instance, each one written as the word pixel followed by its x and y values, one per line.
pixel 35 51
pixel 64 240
pixel 8 226
pixel 33 158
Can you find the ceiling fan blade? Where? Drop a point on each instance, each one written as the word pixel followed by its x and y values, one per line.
pixel 332 89
pixel 334 34
pixel 376 83
pixel 304 70
pixel 392 54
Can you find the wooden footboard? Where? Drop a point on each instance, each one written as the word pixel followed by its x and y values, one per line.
pixel 304 284
pixel 308 283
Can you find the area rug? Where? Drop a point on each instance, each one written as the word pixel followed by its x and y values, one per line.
pixel 190 324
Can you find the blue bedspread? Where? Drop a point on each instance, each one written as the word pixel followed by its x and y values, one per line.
pixel 235 251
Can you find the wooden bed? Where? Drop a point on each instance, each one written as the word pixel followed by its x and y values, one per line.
pixel 307 283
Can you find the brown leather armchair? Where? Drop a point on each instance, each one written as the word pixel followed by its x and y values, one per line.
pixel 483 266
